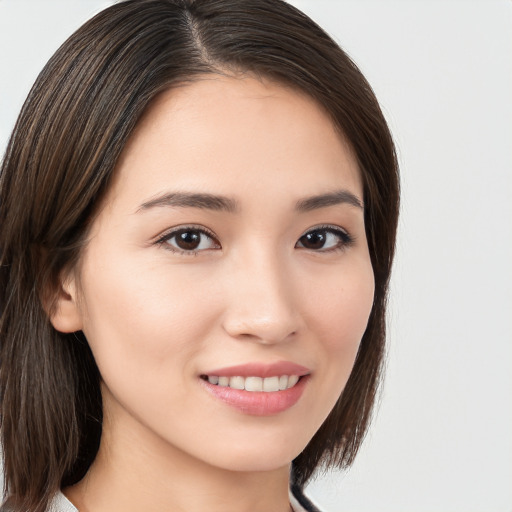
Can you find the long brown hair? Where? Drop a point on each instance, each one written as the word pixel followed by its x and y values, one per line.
pixel 59 163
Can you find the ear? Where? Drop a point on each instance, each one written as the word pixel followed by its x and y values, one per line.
pixel 65 314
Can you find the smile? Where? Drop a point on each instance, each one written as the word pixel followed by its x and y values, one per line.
pixel 258 389
pixel 254 384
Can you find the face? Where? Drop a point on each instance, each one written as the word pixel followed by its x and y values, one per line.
pixel 226 283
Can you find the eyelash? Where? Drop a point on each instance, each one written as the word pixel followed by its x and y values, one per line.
pixel 345 239
pixel 164 239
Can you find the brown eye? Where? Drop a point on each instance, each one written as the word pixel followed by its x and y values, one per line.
pixel 189 240
pixel 314 240
pixel 324 239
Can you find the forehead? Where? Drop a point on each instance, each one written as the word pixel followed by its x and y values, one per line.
pixel 219 132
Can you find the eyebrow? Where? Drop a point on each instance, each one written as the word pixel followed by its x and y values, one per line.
pixel 227 204
pixel 329 199
pixel 192 200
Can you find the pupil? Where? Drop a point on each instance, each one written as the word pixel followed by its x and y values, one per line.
pixel 315 240
pixel 188 240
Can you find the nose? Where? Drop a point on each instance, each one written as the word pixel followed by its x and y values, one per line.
pixel 262 302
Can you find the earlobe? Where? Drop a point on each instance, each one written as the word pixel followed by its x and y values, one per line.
pixel 65 314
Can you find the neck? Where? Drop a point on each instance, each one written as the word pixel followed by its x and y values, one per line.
pixel 131 476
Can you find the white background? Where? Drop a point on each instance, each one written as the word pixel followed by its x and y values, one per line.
pixel 442 70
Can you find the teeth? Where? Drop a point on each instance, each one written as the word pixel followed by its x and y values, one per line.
pixel 268 384
pixel 253 384
pixel 292 380
pixel 224 381
pixel 236 382
pixel 271 384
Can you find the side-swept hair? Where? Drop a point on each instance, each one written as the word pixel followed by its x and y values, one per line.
pixel 59 164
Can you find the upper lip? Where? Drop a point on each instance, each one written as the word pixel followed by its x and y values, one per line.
pixel 261 370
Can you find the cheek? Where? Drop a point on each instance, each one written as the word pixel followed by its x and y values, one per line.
pixel 341 307
pixel 135 319
pixel 146 330
pixel 340 316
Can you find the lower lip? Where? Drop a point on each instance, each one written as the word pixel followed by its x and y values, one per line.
pixel 258 403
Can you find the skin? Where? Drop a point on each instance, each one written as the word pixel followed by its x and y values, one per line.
pixel 157 319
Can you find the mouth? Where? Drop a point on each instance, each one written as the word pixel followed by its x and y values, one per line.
pixel 254 383
pixel 258 389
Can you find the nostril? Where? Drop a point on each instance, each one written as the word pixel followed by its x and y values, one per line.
pixel 263 329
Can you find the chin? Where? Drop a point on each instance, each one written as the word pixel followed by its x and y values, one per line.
pixel 256 457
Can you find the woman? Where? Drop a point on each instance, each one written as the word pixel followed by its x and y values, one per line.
pixel 198 209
